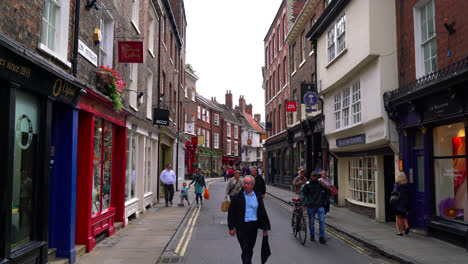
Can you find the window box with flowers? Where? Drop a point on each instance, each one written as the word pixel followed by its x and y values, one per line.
pixel 110 83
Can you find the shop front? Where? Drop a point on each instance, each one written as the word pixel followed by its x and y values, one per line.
pixel 165 157
pixel 38 144
pixel 278 153
pixel 432 125
pixel 141 168
pixel 102 138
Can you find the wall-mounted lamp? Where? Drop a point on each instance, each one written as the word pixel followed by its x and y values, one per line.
pixel 140 98
pixel 450 28
pixel 91 3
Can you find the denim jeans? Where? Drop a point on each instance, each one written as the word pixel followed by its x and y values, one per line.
pixel 321 218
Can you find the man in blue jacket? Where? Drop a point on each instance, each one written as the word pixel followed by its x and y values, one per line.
pixel 314 195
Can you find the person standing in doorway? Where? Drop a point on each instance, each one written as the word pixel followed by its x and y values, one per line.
pixel 199 181
pixel 168 178
pixel 260 187
pixel 246 215
pixel 314 194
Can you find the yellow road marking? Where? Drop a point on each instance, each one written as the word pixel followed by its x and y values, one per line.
pixel 190 234
pixel 185 231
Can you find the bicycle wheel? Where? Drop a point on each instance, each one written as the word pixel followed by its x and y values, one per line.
pixel 293 222
pixel 302 230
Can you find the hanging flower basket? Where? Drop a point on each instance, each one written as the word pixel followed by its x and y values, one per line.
pixel 111 84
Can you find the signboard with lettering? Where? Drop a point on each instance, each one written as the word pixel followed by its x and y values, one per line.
pixel 310 98
pixel 87 53
pixel 291 107
pixel 160 117
pixel 353 140
pixel 440 106
pixel 130 51
pixel 23 72
pixel 268 126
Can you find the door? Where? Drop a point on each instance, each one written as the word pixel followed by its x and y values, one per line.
pixel 418 199
pixel 389 175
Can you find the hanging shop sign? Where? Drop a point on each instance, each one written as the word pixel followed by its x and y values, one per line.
pixel 310 98
pixel 353 140
pixel 249 142
pixel 201 140
pixel 268 126
pixel 291 107
pixel 130 51
pixel 160 117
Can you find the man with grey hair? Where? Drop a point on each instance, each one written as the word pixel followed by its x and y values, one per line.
pixel 246 215
pixel 234 185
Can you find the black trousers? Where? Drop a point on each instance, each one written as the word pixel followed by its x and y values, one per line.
pixel 247 236
pixel 168 192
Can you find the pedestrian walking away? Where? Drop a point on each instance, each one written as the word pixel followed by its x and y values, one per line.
pixel 199 181
pixel 246 215
pixel 260 186
pixel 402 206
pixel 234 185
pixel 299 181
pixel 184 194
pixel 314 195
pixel 168 178
pixel 225 176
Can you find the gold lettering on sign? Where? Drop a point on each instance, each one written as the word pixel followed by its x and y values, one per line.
pixel 23 70
pixel 2 62
pixel 13 67
pixel 57 87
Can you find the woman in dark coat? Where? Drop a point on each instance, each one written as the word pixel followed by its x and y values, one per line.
pixel 402 207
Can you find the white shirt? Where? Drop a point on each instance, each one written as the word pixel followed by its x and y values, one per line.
pixel 168 177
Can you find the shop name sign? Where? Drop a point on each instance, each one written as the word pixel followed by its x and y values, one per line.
pixel 291 107
pixel 160 117
pixel 353 140
pixel 439 106
pixel 130 51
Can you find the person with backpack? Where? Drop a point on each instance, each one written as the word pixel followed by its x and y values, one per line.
pixel 234 185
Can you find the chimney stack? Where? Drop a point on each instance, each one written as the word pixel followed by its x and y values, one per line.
pixel 248 109
pixel 242 104
pixel 257 117
pixel 229 99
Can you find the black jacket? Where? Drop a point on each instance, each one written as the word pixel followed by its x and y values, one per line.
pixel 236 212
pixel 404 202
pixel 314 194
pixel 259 187
pixel 198 178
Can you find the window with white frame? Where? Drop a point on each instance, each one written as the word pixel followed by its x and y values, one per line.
pixel 198 131
pixel 207 116
pixel 228 128
pixel 303 44
pixel 425 37
pixel 149 94
pixel 204 137
pixel 198 112
pixel 278 36
pixel 236 133
pixel 285 27
pixel 133 85
pixel 135 12
pixel 274 46
pixel 336 38
pixel 362 180
pixel 193 95
pixel 107 44
pixel 347 110
pixel 249 135
pixel 228 147
pixel 236 148
pixel 293 58
pixel 207 140
pixel 203 114
pixel 216 140
pixel 54 35
pixel 151 26
pixel 216 120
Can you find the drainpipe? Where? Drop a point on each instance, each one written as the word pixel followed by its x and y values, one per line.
pixel 178 121
pixel 157 105
pixel 75 38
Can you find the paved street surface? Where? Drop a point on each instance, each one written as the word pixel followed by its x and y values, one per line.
pixel 211 243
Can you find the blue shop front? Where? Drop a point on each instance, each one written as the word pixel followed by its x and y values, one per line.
pixel 431 114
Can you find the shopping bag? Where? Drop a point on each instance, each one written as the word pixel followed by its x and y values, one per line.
pixel 225 206
pixel 206 194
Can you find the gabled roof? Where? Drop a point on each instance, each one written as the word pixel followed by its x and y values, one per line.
pixel 228 114
pixel 254 123
pixel 208 103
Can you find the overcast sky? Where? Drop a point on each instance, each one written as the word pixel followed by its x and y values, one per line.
pixel 225 47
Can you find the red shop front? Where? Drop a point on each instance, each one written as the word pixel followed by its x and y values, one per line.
pixel 100 170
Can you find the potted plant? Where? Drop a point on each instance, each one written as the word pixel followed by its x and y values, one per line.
pixel 111 84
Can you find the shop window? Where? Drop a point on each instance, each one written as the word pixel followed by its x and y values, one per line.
pixel 102 165
pixel 450 171
pixel 27 116
pixel 130 185
pixel 148 158
pixel 362 180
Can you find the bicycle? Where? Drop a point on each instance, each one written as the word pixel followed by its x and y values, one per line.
pixel 298 223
